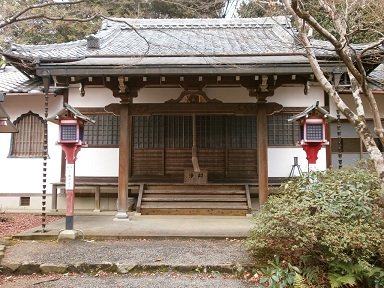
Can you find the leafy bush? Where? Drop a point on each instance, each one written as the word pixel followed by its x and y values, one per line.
pixel 279 274
pixel 355 275
pixel 331 216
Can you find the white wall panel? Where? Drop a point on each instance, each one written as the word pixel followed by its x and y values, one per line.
pixel 295 97
pixel 98 162
pixel 280 161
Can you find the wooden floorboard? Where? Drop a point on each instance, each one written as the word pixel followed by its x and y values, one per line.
pixel 195 192
pixel 210 212
pixel 179 198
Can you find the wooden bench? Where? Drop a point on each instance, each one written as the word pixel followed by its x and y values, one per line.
pixel 95 184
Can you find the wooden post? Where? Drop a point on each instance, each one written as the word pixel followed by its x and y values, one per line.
pixel 122 202
pixel 54 198
pixel 97 198
pixel 262 148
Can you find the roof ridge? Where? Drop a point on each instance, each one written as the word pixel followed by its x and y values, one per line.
pixel 133 23
pixel 102 37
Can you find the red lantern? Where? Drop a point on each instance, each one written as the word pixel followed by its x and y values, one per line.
pixel 71 138
pixel 312 130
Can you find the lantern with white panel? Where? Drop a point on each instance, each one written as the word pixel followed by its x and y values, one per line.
pixel 312 131
pixel 71 139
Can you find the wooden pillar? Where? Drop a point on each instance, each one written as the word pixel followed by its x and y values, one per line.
pixel 97 198
pixel 122 202
pixel 54 198
pixel 262 148
pixel 122 89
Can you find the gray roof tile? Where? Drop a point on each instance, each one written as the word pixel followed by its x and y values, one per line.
pixel 376 77
pixel 171 37
pixel 13 81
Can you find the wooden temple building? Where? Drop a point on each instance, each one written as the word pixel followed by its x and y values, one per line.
pixel 194 112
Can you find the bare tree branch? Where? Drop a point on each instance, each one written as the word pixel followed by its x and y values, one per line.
pixel 17 17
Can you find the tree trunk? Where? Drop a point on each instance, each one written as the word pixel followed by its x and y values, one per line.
pixel 357 118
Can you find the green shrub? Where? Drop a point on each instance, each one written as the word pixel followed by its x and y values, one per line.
pixel 355 275
pixel 279 274
pixel 331 216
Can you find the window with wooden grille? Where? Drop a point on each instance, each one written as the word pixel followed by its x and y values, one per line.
pixel 104 133
pixel 25 201
pixel 351 145
pixel 29 141
pixel 211 131
pixel 242 131
pixel 281 132
pixel 148 131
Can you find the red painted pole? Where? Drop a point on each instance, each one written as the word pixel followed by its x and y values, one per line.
pixel 71 150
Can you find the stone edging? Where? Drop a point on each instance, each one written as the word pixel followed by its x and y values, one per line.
pixel 4 242
pixel 27 268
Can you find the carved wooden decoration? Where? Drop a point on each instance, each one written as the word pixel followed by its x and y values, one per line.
pixel 193 95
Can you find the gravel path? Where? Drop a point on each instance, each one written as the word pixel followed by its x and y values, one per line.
pixel 140 252
pixel 165 252
pixel 158 280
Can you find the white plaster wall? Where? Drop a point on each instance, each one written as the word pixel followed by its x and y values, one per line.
pixel 25 175
pixel 94 97
pixel 348 99
pixel 280 161
pixel 155 95
pixel 97 162
pixel 10 204
pixel 230 95
pixel 289 96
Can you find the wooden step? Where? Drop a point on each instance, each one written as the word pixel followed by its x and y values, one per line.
pixel 207 212
pixel 192 205
pixel 179 198
pixel 188 191
pixel 193 200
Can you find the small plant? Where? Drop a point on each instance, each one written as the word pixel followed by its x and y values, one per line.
pixel 279 274
pixel 299 282
pixel 361 274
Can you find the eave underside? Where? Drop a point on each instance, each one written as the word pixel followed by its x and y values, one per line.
pixel 252 65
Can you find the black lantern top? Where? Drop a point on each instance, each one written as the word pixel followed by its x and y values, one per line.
pixel 312 124
pixel 71 123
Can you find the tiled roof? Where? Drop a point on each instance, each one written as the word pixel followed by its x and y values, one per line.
pixel 376 78
pixel 171 37
pixel 13 81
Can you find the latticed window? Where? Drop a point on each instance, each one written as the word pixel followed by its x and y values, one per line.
pixel 104 133
pixel 148 131
pixel 210 131
pixel 29 141
pixel 242 131
pixel 282 132
pixel 178 132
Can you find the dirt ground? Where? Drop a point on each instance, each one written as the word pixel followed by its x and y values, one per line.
pixel 14 223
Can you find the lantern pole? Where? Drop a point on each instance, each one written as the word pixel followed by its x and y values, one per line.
pixel 71 139
pixel 70 150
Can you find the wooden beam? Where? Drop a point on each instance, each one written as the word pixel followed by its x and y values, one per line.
pixel 123 162
pixel 262 149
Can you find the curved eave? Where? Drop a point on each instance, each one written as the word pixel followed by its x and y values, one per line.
pixel 271 64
